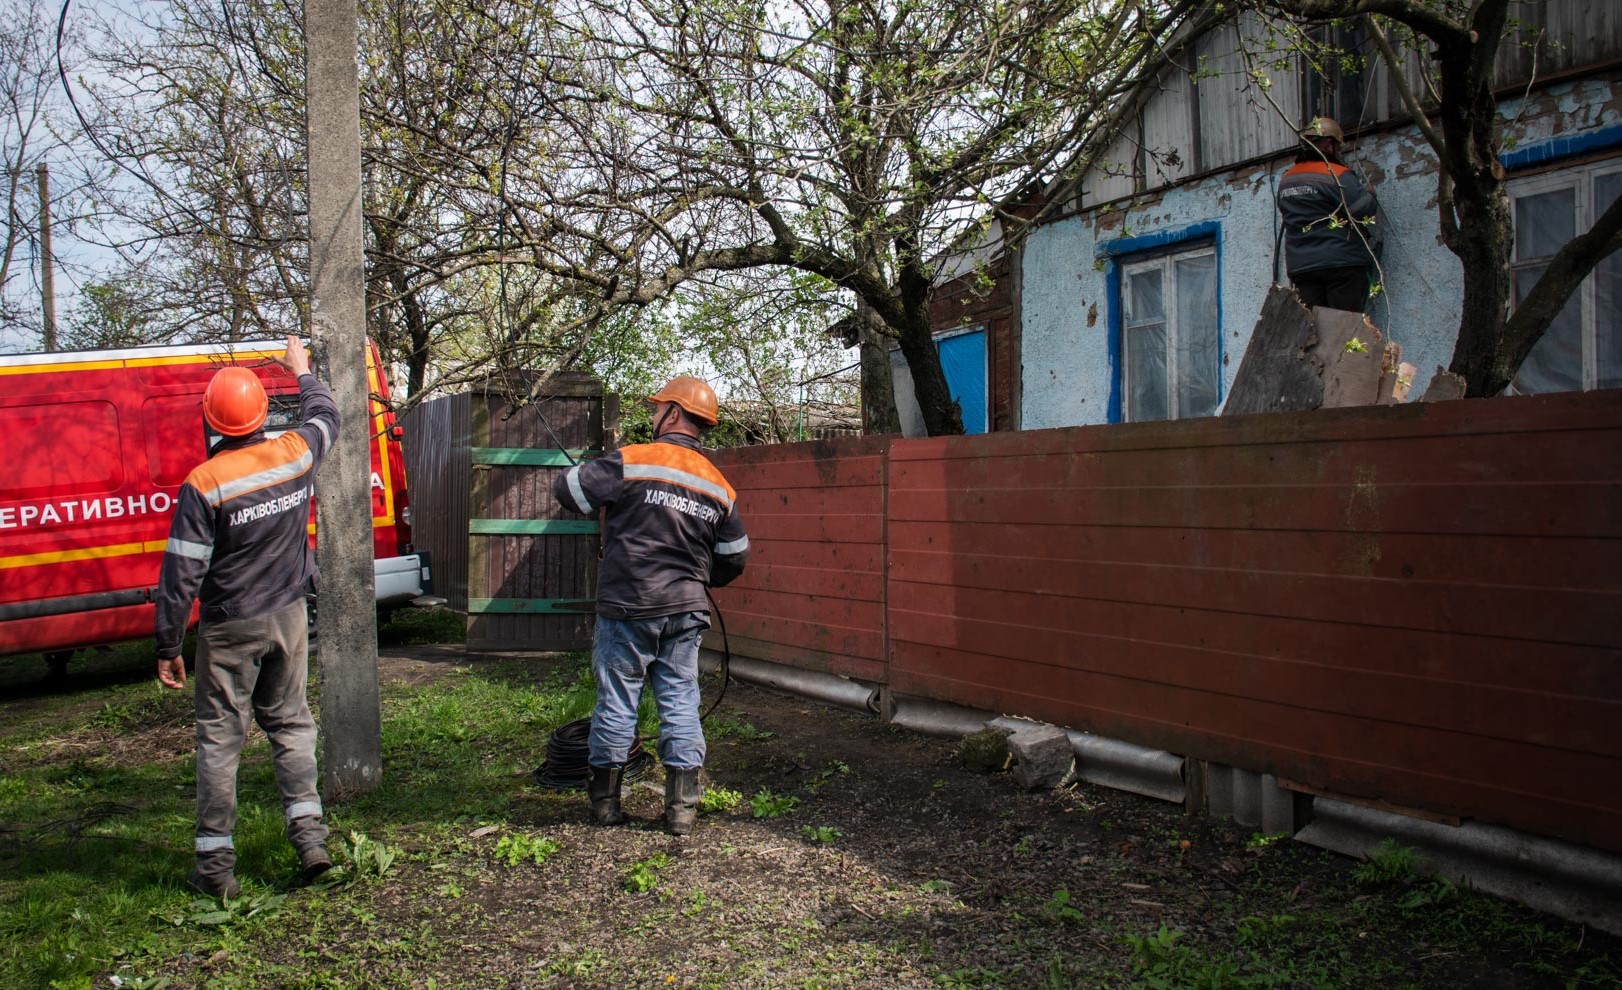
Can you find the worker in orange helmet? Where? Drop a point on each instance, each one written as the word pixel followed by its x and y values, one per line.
pixel 671 528
pixel 238 543
pixel 1329 219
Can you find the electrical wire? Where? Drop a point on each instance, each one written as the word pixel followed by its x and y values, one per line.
pixel 567 768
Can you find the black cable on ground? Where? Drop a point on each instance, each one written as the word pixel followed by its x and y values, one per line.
pixel 566 766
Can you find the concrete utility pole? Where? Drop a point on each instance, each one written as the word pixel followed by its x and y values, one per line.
pixel 47 274
pixel 351 755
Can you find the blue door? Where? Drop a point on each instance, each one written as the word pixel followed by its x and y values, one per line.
pixel 963 359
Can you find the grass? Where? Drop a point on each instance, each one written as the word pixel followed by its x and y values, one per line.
pixel 95 842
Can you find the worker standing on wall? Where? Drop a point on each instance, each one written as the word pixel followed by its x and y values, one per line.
pixel 1331 234
pixel 671 528
pixel 238 543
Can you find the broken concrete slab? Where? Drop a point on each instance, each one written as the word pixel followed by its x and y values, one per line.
pixel 1444 385
pixel 1276 373
pixel 1352 352
pixel 1300 359
pixel 1043 758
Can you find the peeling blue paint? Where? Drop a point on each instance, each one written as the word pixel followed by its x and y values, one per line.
pixel 1565 146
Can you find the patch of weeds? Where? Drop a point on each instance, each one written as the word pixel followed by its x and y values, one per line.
pixel 935 886
pixel 410 626
pixel 825 834
pixel 734 728
pixel 834 769
pixel 718 799
pixel 367 856
pixel 1058 908
pixel 643 875
pixel 1024 846
pixel 965 979
pixel 225 911
pixel 768 804
pixel 576 967
pixel 1390 862
pixel 1259 840
pixel 696 903
pixel 519 847
pixel 1257 931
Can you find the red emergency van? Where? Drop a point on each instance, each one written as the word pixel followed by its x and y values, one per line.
pixel 94 446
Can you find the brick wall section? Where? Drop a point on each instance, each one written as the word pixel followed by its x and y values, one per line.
pixel 967 302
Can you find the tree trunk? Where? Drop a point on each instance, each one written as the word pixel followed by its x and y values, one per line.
pixel 879 413
pixel 1485 238
pixel 942 416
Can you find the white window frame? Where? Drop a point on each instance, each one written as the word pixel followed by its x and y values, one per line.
pixel 1168 303
pixel 1581 178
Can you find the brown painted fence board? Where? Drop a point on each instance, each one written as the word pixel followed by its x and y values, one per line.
pixel 1553 562
pixel 1547 615
pixel 1572 671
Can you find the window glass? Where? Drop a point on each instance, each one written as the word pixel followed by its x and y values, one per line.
pixel 1198 363
pixel 59 449
pixel 1544 222
pixel 1608 293
pixel 1556 361
pixel 1146 372
pixel 1146 304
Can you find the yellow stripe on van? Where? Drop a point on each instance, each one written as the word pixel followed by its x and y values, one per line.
pixel 149 362
pixel 82 553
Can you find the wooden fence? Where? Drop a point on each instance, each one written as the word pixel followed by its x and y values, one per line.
pixel 1420 604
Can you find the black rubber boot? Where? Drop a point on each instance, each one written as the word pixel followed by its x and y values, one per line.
pixel 603 786
pixel 681 800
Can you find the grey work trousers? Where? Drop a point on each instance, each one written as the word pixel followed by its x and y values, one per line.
pixel 255 668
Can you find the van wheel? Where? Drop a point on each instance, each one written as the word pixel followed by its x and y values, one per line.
pixel 57 661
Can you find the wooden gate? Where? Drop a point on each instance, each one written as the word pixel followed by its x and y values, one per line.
pixel 532 565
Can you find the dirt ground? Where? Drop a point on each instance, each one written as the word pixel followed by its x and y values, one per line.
pixel 932 875
pixel 895 868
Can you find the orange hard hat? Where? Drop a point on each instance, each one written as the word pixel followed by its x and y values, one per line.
pixel 1325 127
pixel 234 403
pixel 693 395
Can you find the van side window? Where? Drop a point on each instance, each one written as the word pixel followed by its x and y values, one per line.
pixel 69 448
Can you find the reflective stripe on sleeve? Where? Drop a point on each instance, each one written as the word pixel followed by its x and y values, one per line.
pixel 326 434
pixel 736 546
pixel 186 548
pixel 209 843
pixel 578 493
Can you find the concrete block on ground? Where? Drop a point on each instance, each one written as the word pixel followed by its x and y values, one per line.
pixel 1042 757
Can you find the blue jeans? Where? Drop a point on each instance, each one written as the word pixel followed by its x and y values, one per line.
pixel 663 652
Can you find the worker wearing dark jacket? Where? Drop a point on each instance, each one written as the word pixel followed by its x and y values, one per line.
pixel 671 529
pixel 238 544
pixel 1331 236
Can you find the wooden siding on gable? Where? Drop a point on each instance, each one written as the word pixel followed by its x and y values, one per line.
pixel 1236 120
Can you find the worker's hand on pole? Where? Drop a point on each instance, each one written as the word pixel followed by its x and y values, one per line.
pixel 296 359
pixel 172 672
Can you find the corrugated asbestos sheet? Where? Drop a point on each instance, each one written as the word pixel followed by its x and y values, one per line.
pixel 1418 604
pixel 436 457
pixel 813 593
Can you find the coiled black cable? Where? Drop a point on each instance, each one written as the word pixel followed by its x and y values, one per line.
pixel 567 766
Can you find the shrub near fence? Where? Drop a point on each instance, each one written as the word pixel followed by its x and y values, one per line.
pixel 1415 604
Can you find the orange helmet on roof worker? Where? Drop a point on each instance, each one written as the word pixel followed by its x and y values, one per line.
pixel 234 403
pixel 1324 127
pixel 693 395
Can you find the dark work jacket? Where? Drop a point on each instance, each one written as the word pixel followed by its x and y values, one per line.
pixel 671 527
pixel 1327 213
pixel 239 540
